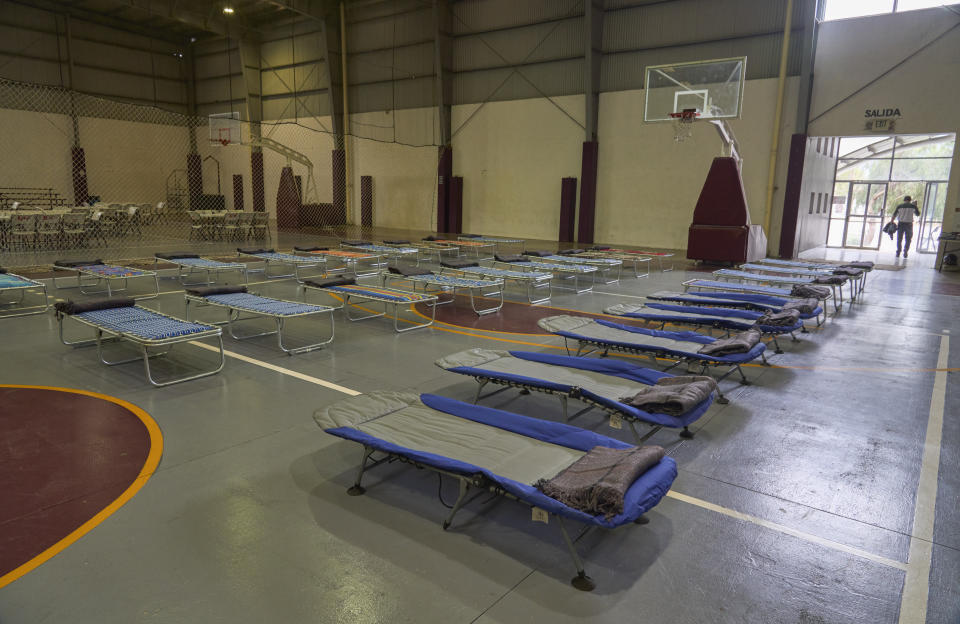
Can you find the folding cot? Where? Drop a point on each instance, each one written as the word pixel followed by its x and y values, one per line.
pixel 295 262
pixel 121 319
pixel 865 267
pixel 746 301
pixel 598 383
pixel 496 240
pixel 604 265
pixel 756 292
pixel 352 261
pixel 770 280
pixel 852 276
pixel 561 271
pixel 517 453
pixel 427 250
pixel 449 284
pixel 193 263
pixel 236 301
pixel 532 282
pixel 13 283
pixel 391 252
pixel 659 255
pixel 681 347
pixel 347 290
pixel 104 275
pixel 727 319
pixel 477 247
pixel 634 260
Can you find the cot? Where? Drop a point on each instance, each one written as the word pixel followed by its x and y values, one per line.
pixel 427 250
pixel 561 271
pixel 517 453
pixel 864 267
pixel 678 346
pixel 770 280
pixel 103 276
pixel 726 319
pixel 604 265
pixel 391 252
pixel 600 383
pixel 346 290
pixel 532 282
pixel 854 277
pixel 360 264
pixel 190 263
pixel 235 300
pixel 476 288
pixel 746 301
pixel 295 262
pixel 659 255
pixel 12 283
pixel 633 260
pixel 120 319
pixel 496 240
pixel 479 248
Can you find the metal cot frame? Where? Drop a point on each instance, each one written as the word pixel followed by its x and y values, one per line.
pixel 473 289
pixel 604 265
pixel 144 344
pixel 106 281
pixel 476 246
pixel 234 312
pixel 687 285
pixel 497 241
pixel 430 251
pixel 855 281
pixel 559 271
pixel 351 263
pixel 30 284
pixel 220 267
pixel 634 259
pixel 531 284
pixel 392 252
pixel 345 305
pixel 643 254
pixel 295 262
pixel 836 289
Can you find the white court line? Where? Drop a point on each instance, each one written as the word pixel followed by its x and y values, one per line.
pixel 809 537
pixel 916 587
pixel 731 513
pixel 280 369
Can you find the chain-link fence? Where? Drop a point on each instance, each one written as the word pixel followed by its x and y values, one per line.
pixel 83 175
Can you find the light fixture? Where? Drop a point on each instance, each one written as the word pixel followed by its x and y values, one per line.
pixel 228 10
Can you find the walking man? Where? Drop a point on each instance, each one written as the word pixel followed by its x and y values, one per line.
pixel 903 214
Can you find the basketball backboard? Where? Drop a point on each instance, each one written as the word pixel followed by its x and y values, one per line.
pixel 714 88
pixel 225 129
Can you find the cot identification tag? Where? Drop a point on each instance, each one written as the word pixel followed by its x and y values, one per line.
pixel 540 515
pixel 616 421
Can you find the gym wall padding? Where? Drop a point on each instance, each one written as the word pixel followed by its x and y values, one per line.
pixel 568 209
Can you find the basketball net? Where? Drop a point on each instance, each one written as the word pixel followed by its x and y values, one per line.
pixel 683 124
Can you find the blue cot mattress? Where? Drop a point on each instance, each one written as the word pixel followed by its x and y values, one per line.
pixel 731 299
pixel 283 257
pixel 615 368
pixel 265 305
pixel 732 287
pixel 8 280
pixel 206 263
pixel 142 323
pixel 642 496
pixel 725 318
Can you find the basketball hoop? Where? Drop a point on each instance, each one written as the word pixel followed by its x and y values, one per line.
pixel 683 123
pixel 224 142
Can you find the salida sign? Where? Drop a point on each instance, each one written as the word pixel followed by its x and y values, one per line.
pixel 881 119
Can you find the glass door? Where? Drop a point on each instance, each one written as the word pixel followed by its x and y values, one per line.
pixel 861 214
pixel 931 216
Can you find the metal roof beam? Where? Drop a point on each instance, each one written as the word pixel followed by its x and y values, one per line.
pixel 102 19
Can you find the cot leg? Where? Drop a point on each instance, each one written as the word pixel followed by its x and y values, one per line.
pixel 357 489
pixel 480 384
pixel 563 408
pixel 464 488
pixel 581 581
pixel 777 349
pixel 686 433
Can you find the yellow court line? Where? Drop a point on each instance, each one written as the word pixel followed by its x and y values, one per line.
pixel 146 471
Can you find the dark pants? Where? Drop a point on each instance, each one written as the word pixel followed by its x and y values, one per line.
pixel 904 229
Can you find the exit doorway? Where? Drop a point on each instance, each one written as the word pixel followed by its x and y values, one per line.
pixel 873 176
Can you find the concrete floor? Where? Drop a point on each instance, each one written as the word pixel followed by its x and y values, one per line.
pixel 795 503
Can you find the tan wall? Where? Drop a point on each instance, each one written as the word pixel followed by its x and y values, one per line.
pixel 648 184
pixel 926 88
pixel 512 156
pixel 36 150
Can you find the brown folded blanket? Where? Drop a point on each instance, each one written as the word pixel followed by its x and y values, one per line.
pixel 738 343
pixel 804 306
pixel 829 279
pixel 333 280
pixel 206 291
pixel 846 271
pixel 673 395
pixel 597 482
pixel 858 265
pixel 809 290
pixel 408 271
pixel 69 264
pixel 783 318
pixel 104 303
pixel 510 258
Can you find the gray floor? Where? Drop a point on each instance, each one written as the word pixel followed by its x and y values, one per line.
pixel 795 502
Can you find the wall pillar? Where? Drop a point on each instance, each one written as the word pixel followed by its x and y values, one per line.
pixel 256 181
pixel 588 191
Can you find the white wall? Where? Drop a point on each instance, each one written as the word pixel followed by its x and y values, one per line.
pixel 926 88
pixel 36 150
pixel 512 156
pixel 648 184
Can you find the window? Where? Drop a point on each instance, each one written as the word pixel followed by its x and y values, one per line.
pixel 810 210
pixel 843 9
